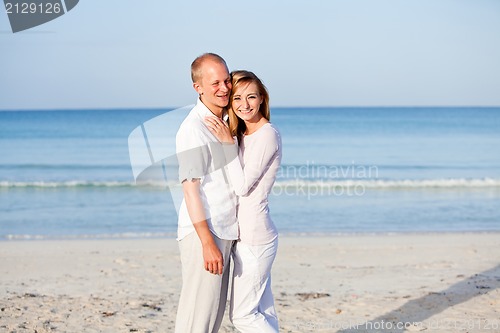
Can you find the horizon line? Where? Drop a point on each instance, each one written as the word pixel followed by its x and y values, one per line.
pixel 276 107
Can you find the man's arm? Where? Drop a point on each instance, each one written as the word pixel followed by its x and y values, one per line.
pixel 212 256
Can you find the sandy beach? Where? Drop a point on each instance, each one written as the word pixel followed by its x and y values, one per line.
pixel 388 283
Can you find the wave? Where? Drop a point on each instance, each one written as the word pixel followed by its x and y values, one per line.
pixel 298 168
pixel 395 184
pixel 63 167
pixel 173 235
pixel 295 183
pixel 65 184
pixel 123 235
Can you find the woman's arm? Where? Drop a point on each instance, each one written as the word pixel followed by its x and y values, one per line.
pixel 258 158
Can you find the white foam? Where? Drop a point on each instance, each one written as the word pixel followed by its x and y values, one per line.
pixel 394 184
pixel 366 183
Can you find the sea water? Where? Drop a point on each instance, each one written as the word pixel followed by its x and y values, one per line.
pixel 68 174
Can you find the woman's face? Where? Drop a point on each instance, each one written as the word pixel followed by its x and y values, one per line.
pixel 246 102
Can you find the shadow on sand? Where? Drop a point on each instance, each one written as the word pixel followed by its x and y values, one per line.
pixel 411 315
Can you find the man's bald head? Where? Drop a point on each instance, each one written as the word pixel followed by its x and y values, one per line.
pixel 197 65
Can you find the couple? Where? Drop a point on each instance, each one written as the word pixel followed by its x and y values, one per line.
pixel 227 172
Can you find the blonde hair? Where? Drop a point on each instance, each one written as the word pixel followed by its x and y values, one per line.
pixel 238 79
pixel 196 65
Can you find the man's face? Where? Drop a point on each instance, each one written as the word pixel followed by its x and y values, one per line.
pixel 214 86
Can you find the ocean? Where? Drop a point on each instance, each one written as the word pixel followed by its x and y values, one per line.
pixel 68 174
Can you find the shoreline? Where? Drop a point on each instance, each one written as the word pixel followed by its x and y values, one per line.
pixel 168 236
pixel 320 284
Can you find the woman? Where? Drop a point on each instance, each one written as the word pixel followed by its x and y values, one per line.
pixel 252 176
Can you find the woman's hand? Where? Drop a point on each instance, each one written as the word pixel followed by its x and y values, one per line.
pixel 219 129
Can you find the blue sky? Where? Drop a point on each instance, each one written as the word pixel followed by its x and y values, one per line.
pixel 129 54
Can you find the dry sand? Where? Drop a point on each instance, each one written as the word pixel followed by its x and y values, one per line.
pixel 388 283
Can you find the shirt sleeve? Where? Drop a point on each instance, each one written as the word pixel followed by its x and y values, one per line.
pixel 193 154
pixel 258 160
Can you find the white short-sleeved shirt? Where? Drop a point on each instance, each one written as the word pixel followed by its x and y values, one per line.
pixel 201 156
pixel 252 177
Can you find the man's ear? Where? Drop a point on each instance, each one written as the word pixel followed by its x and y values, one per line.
pixel 197 87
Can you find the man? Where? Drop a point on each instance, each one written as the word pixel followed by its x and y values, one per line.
pixel 207 216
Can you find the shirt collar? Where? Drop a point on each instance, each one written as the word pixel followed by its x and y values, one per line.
pixel 203 111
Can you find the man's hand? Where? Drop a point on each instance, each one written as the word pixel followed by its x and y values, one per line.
pixel 214 262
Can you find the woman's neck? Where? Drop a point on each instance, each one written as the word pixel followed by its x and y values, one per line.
pixel 252 127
